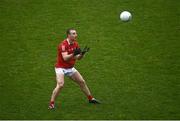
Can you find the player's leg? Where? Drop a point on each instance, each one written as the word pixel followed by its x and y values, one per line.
pixel 76 76
pixel 57 89
pixel 81 82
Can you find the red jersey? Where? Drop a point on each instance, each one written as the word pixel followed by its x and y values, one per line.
pixel 65 46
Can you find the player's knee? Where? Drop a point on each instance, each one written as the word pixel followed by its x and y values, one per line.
pixel 60 85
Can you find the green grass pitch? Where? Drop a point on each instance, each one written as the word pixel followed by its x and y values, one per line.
pixel 132 67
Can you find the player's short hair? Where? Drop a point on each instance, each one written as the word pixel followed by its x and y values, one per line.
pixel 68 31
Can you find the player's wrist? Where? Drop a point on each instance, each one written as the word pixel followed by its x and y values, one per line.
pixel 78 57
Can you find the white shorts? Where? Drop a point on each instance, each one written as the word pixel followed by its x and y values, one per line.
pixel 65 71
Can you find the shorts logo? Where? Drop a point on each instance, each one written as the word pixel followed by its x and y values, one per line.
pixel 67 72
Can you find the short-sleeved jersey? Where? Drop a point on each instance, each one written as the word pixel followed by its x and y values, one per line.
pixel 65 46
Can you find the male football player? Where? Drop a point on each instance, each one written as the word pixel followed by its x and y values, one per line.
pixel 68 52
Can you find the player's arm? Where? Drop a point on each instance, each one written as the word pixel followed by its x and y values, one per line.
pixel 64 53
pixel 75 55
pixel 67 56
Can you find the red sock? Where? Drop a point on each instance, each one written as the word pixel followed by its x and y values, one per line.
pixel 51 102
pixel 90 97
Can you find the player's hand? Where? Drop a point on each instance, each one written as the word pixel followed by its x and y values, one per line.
pixel 85 49
pixel 77 51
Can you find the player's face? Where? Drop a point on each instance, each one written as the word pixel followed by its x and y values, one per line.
pixel 73 35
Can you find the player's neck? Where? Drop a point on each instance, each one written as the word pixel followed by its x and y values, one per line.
pixel 70 41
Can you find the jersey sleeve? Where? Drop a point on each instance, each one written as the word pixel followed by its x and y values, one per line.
pixel 62 48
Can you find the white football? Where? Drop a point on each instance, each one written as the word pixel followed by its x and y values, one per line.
pixel 125 16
